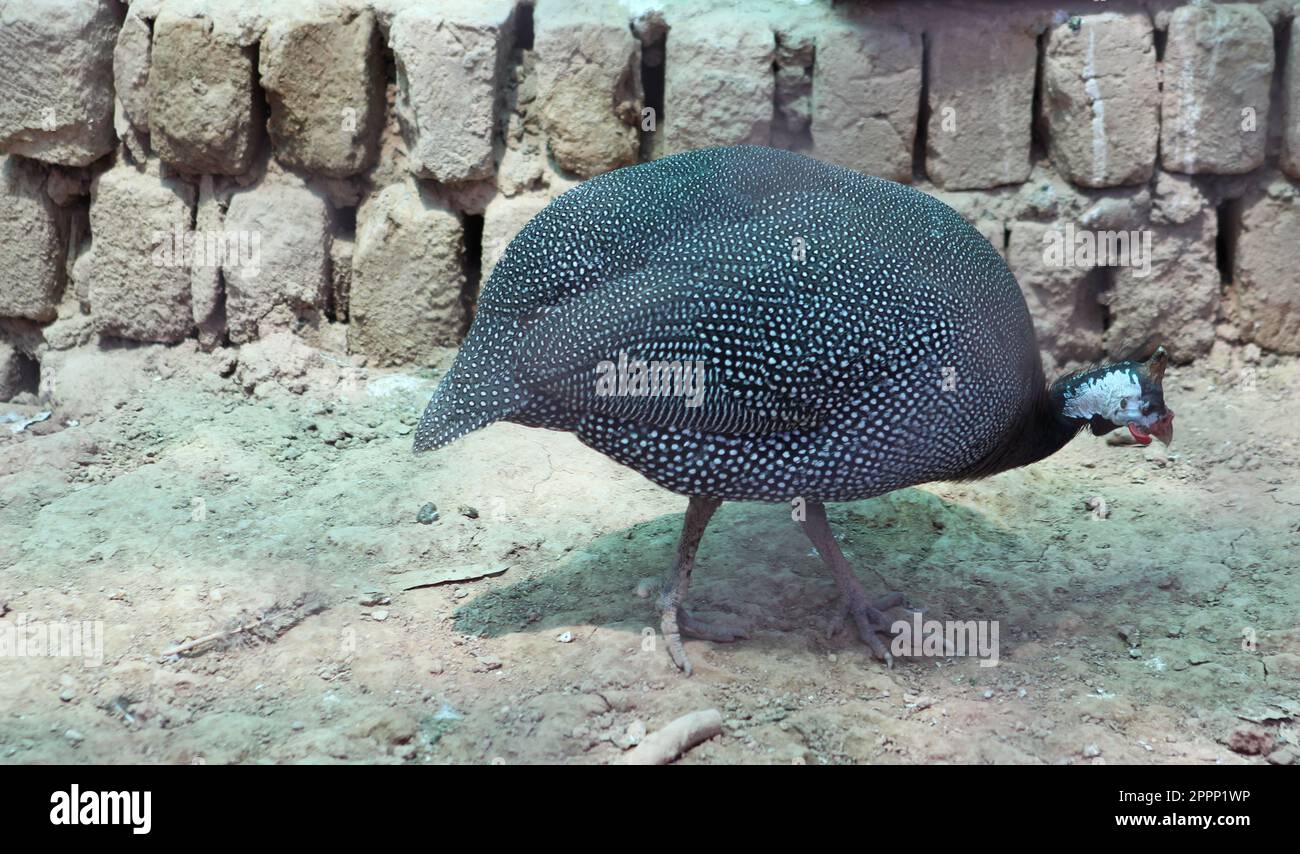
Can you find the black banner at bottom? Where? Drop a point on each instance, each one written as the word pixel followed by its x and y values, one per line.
pixel 263 804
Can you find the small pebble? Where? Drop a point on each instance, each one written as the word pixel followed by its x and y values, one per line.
pixel 67 694
pixel 298 726
pixel 565 637
pixel 74 736
pixel 428 514
pixel 1092 751
pixel 467 511
pixel 635 733
pixel 379 616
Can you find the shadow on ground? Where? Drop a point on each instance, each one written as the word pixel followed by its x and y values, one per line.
pixel 755 568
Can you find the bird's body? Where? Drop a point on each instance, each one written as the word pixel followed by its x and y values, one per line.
pixel 856 335
pixel 824 335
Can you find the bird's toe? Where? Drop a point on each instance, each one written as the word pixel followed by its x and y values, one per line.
pixel 668 624
pixel 870 621
pixel 695 628
pixel 677 623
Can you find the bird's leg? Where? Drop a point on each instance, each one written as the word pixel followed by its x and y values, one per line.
pixel 867 614
pixel 675 622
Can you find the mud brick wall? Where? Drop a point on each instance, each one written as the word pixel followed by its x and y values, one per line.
pixel 349 171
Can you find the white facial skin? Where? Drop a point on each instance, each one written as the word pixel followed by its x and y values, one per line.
pixel 1114 395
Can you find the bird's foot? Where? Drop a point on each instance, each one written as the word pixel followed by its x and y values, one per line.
pixel 869 618
pixel 676 623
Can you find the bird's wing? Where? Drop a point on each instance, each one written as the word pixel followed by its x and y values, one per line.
pixel 764 311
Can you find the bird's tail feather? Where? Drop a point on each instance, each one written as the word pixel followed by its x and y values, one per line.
pixel 464 402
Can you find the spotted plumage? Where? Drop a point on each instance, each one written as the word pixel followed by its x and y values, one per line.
pixel 856 335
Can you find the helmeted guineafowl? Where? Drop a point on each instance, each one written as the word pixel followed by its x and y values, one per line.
pixel 750 324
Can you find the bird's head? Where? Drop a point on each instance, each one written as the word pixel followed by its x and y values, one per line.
pixel 1122 394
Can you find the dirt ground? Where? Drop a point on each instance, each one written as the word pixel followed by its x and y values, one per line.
pixel 173 494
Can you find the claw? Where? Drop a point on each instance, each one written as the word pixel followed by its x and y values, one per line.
pixel 693 628
pixel 673 640
pixel 870 620
pixel 868 615
pixel 866 618
pixel 676 623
